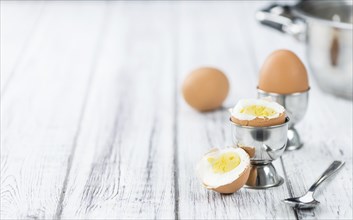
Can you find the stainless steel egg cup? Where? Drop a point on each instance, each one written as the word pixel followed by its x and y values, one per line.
pixel 296 105
pixel 269 143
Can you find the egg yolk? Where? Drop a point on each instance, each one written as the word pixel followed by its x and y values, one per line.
pixel 258 110
pixel 224 163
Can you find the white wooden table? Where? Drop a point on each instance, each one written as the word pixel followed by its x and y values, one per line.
pixel 93 124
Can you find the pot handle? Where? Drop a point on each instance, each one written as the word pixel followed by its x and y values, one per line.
pixel 281 18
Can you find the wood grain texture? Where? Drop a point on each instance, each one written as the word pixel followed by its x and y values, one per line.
pixel 41 110
pixel 127 168
pixel 93 124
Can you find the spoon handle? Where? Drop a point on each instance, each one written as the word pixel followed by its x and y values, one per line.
pixel 334 167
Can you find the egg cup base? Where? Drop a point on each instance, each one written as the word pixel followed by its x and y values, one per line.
pixel 263 176
pixel 293 142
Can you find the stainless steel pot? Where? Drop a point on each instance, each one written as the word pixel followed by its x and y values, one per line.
pixel 326 28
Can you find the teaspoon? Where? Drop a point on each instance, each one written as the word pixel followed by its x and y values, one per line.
pixel 307 200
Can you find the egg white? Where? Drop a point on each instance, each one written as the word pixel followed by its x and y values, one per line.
pixel 235 112
pixel 210 179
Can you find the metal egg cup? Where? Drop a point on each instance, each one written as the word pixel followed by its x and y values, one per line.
pixel 296 105
pixel 269 143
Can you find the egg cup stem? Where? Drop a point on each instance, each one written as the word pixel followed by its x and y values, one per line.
pixel 263 176
pixel 293 142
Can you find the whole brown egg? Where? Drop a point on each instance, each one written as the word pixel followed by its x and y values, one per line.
pixel 205 88
pixel 283 73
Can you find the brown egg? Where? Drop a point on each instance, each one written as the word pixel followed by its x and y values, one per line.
pixel 217 173
pixel 283 73
pixel 257 113
pixel 205 88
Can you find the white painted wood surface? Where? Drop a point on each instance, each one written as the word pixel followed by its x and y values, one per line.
pixel 93 124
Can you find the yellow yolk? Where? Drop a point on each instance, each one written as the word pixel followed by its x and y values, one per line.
pixel 258 110
pixel 225 163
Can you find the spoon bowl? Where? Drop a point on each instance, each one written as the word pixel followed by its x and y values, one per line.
pixel 305 202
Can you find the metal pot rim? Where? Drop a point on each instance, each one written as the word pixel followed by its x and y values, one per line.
pixel 297 10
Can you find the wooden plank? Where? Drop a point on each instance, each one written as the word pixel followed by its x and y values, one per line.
pixel 327 134
pixel 42 107
pixel 19 23
pixel 212 34
pixel 123 166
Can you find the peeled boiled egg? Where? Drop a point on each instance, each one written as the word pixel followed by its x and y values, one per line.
pixel 257 113
pixel 283 73
pixel 224 170
pixel 205 88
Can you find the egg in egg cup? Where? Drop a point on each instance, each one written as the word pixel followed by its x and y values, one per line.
pixel 296 105
pixel 260 128
pixel 284 78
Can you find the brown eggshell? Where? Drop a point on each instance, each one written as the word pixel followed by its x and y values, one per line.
pixel 261 122
pixel 283 73
pixel 252 177
pixel 236 184
pixel 249 150
pixel 205 88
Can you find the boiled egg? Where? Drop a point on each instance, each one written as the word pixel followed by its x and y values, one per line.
pixel 224 170
pixel 257 113
pixel 283 73
pixel 205 88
